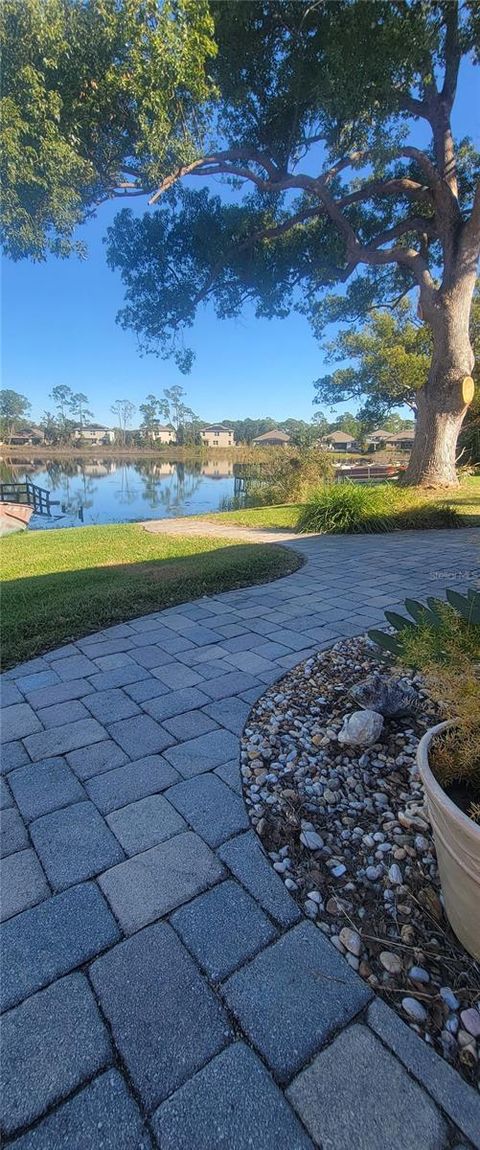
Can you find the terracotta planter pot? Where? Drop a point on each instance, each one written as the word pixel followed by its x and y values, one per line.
pixel 457 843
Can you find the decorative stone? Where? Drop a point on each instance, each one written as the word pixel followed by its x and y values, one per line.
pixel 391 962
pixel 361 729
pixel 387 696
pixel 471 1021
pixel 311 840
pixel 449 998
pixel 419 974
pixel 395 875
pixel 351 940
pixel 414 1009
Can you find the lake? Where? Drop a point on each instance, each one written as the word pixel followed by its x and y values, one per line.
pixel 107 490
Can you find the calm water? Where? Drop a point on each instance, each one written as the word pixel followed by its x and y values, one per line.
pixel 93 491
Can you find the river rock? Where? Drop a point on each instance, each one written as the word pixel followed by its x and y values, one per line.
pixel 361 729
pixel 419 974
pixel 470 1020
pixel 387 696
pixel 311 840
pixel 351 940
pixel 415 1011
pixel 391 962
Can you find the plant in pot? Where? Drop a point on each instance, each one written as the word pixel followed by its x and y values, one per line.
pixel 442 641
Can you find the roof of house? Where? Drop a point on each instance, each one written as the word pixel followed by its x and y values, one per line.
pixel 380 433
pixel 276 435
pixel 408 434
pixel 91 427
pixel 338 437
pixel 218 427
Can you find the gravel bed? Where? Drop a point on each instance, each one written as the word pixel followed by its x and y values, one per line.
pixel 346 829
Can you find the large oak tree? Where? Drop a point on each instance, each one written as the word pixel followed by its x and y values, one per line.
pixel 314 112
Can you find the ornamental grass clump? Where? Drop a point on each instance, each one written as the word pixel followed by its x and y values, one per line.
pixel 442 641
pixel 348 507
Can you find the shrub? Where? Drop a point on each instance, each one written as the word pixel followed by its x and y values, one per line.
pixel 360 508
pixel 443 642
pixel 289 478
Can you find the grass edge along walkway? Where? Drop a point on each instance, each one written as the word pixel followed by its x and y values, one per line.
pixel 61 585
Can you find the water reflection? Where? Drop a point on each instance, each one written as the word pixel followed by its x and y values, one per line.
pixel 115 490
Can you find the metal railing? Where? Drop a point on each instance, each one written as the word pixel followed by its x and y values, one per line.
pixel 27 493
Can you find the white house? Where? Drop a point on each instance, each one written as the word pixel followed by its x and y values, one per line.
pixel 158 434
pixel 94 434
pixel 216 435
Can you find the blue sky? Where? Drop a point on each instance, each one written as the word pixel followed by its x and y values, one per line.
pixel 58 326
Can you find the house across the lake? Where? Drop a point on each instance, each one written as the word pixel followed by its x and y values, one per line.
pixel 339 441
pixel 378 438
pixel 217 435
pixel 94 434
pixel 402 439
pixel 157 434
pixel 274 438
pixel 28 437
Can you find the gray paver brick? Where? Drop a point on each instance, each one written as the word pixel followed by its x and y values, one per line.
pixel 166 1022
pixel 214 668
pixel 118 788
pixel 145 824
pixel 5 796
pixel 204 753
pixel 232 1103
pixel 230 773
pixel 249 662
pixel 147 689
pixel 245 858
pixel 293 996
pixel 223 928
pixel 213 810
pixel 60 713
pixel 140 733
pixel 52 939
pixel 12 755
pixel 229 684
pixel 230 713
pixel 23 883
pixel 58 740
pixel 175 703
pixel 17 721
pixel 9 693
pixel 59 693
pixel 75 667
pixel 74 844
pixel 189 725
pixel 151 884
pixel 152 657
pixel 96 759
pixel 46 678
pixel 336 1102
pixel 51 1044
pixel 44 787
pixel 460 1102
pixel 118 677
pixel 13 836
pixel 103 1116
pixel 108 706
pixel 177 676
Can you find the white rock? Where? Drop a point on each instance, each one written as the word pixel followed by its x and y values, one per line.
pixel 471 1021
pixel 395 875
pixel 414 1009
pixel 390 962
pixel 351 940
pixel 361 729
pixel 311 840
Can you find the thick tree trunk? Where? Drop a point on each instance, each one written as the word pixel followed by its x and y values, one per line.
pixel 440 404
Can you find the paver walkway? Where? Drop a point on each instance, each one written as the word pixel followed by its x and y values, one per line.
pixel 161 988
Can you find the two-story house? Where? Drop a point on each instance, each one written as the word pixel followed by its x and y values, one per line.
pixel 216 435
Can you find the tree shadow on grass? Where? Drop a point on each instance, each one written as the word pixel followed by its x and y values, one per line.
pixel 42 612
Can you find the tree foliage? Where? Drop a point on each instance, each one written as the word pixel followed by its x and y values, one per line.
pixel 14 409
pixel 389 361
pixel 99 98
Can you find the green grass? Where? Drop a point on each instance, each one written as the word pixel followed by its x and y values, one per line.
pixel 59 585
pixel 351 508
pixel 465 500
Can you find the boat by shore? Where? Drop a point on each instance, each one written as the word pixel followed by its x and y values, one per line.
pixel 14 517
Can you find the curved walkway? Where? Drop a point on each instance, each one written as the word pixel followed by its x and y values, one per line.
pixel 190 525
pixel 160 985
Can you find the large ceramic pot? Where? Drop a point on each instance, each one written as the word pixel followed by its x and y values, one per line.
pixel 457 843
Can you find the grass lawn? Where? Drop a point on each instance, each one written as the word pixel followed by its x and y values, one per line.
pixel 466 500
pixel 62 584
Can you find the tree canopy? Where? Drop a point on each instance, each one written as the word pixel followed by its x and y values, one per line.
pixel 389 359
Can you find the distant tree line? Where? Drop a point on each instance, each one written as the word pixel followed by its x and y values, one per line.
pixel 71 413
